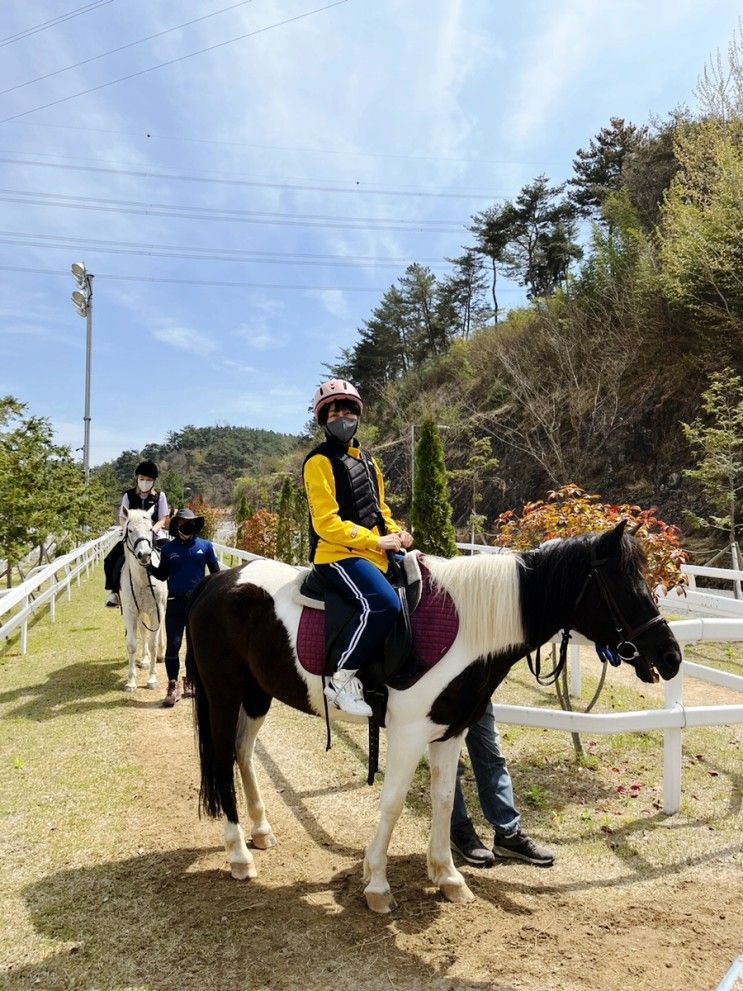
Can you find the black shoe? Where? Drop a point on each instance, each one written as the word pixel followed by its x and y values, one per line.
pixel 468 844
pixel 521 847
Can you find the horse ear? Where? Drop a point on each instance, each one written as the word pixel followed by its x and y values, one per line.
pixel 124 512
pixel 151 511
pixel 610 542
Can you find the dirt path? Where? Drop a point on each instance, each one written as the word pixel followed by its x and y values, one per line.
pixel 632 915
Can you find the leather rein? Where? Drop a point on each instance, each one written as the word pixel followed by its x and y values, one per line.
pixel 626 648
pixel 132 548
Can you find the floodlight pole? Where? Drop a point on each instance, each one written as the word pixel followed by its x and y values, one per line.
pixel 82 299
pixel 88 359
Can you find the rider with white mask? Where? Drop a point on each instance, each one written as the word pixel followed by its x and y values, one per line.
pixel 351 534
pixel 143 495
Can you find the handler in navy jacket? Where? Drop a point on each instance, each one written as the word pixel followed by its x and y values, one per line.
pixel 182 564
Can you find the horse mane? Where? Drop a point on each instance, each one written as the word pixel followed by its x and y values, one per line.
pixel 485 592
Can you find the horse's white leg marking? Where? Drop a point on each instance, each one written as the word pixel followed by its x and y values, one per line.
pixel 131 646
pixel 242 866
pixel 150 640
pixel 247 732
pixel 405 746
pixel 441 870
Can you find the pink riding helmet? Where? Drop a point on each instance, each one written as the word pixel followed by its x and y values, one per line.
pixel 332 390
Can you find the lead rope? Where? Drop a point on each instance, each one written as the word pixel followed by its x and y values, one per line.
pixel 554 674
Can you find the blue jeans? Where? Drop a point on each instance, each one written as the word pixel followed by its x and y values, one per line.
pixel 494 785
pixel 365 587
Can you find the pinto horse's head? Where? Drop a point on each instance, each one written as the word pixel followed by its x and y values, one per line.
pixel 614 607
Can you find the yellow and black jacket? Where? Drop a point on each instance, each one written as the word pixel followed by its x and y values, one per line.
pixel 345 492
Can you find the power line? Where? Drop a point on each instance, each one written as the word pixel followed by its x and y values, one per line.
pixel 173 61
pixel 122 48
pixel 27 32
pixel 195 282
pixel 207 253
pixel 205 282
pixel 301 150
pixel 37 197
pixel 252 183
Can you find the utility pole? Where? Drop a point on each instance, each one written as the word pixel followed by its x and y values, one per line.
pixel 82 300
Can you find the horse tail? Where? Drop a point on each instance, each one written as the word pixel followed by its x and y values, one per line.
pixel 209 800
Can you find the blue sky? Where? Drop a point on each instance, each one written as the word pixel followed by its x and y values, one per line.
pixel 367 133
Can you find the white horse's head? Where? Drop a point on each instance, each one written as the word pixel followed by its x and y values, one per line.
pixel 138 539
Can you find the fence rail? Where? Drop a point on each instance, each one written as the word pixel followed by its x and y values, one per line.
pixel 45 582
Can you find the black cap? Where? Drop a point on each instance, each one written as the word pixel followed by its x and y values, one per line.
pixel 186 515
pixel 147 468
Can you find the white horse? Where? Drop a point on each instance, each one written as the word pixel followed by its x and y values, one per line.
pixel 143 598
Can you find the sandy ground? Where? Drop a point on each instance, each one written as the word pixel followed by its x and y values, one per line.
pixel 632 914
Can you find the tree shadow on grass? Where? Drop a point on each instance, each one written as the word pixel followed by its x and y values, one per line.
pixel 165 922
pixel 77 688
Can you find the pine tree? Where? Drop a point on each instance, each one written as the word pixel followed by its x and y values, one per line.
pixel 431 513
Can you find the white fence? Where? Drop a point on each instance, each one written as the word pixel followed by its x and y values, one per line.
pixel 44 583
pixel 674 716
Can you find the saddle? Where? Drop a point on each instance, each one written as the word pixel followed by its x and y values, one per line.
pixel 404 574
pixel 425 631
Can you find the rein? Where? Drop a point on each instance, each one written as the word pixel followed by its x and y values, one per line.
pixel 626 649
pixel 132 549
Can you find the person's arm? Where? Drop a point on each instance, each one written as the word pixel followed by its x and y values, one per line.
pixel 212 562
pixel 124 505
pixel 163 512
pixel 161 571
pixel 391 525
pixel 320 487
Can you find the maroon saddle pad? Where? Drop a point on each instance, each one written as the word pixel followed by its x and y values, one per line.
pixel 434 623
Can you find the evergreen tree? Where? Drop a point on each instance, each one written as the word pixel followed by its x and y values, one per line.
pixel 718 447
pixel 598 170
pixel 431 512
pixel 285 529
pixel 493 229
pixel 244 510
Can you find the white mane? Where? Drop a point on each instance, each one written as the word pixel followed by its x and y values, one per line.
pixel 485 591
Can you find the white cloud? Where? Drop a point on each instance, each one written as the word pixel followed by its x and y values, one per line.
pixel 334 301
pixel 185 339
pixel 259 337
pixel 557 55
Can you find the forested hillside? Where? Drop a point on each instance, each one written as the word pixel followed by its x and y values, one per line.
pixel 206 460
pixel 632 270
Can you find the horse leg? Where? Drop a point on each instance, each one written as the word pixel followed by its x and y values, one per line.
pixel 224 734
pixel 405 747
pixel 247 732
pixel 150 641
pixel 131 647
pixel 443 756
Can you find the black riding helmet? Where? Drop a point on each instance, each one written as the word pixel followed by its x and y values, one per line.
pixel 147 468
pixel 186 521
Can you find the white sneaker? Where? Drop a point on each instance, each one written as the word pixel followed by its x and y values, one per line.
pixel 346 693
pixel 112 602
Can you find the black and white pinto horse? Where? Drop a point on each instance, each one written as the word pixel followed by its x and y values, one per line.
pixel 242 633
pixel 142 598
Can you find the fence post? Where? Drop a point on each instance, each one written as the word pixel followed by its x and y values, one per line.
pixel 673 691
pixel 24 627
pixel 574 656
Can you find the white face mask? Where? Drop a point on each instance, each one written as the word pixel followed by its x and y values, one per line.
pixel 145 484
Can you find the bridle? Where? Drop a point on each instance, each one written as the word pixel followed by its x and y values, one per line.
pixel 132 548
pixel 626 648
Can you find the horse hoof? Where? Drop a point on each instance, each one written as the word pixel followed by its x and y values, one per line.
pixel 130 688
pixel 242 871
pixel 382 904
pixel 460 894
pixel 152 684
pixel 264 841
